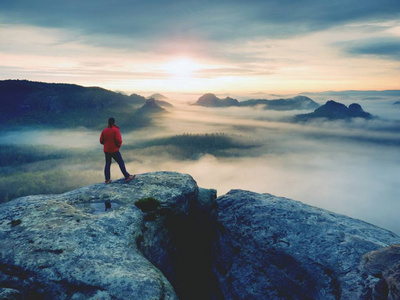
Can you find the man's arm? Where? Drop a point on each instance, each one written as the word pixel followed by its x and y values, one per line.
pixel 118 139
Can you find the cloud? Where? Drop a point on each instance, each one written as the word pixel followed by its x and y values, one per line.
pixel 140 24
pixel 233 71
pixel 79 138
pixel 274 46
pixel 388 48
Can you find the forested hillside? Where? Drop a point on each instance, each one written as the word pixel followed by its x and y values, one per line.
pixel 60 105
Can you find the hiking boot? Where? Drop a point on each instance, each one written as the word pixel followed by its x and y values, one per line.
pixel 130 178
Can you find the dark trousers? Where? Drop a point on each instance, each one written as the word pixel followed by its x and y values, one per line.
pixel 118 158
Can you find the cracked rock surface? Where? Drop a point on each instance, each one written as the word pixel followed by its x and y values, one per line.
pixel 187 243
pixel 68 247
pixel 270 247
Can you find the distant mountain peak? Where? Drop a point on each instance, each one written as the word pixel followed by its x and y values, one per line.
pixel 333 110
pixel 160 99
pixel 151 106
pixel 298 102
pixel 158 96
pixel 210 100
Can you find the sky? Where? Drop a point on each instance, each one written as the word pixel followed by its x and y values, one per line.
pixel 187 46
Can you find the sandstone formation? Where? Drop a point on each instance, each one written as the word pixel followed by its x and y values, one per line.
pixel 275 248
pixel 332 110
pixel 166 238
pixel 67 247
pixel 383 269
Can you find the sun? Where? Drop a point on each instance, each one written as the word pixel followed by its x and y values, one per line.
pixel 181 67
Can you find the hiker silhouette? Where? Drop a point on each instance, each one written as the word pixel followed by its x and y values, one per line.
pixel 111 139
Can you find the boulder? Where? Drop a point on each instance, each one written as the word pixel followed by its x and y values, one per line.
pixel 164 237
pixel 382 273
pixel 269 247
pixel 68 247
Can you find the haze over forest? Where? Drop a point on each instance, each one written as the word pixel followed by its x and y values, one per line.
pixel 350 166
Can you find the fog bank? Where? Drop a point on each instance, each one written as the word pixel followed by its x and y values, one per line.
pixel 351 168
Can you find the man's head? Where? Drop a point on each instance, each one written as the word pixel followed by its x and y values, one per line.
pixel 111 122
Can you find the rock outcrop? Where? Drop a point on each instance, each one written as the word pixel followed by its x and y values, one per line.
pixel 161 100
pixel 150 107
pixel 166 238
pixel 383 269
pixel 147 114
pixel 275 248
pixel 67 247
pixel 332 110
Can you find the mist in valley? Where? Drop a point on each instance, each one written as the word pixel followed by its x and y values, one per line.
pixel 351 168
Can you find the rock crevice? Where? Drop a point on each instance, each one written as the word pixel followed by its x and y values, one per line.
pixel 319 258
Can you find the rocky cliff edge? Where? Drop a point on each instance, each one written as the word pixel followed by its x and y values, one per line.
pixel 164 238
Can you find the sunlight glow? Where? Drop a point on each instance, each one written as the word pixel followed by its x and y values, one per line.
pixel 181 67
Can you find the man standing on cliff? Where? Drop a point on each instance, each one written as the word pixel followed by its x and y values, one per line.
pixel 111 139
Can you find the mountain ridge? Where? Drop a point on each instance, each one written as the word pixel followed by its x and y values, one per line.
pixel 24 102
pixel 298 102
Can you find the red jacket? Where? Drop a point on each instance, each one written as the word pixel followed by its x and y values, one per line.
pixel 111 139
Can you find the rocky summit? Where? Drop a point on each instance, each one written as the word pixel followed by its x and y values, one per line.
pixel 270 247
pixel 68 247
pixel 165 238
